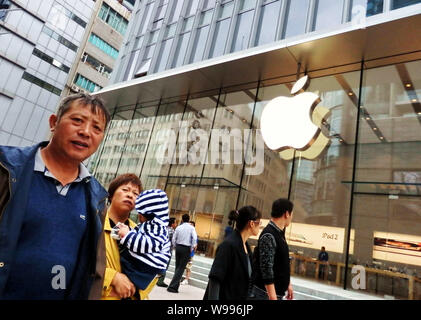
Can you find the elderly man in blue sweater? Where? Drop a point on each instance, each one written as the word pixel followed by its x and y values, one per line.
pixel 51 209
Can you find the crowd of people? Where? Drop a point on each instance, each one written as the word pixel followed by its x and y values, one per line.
pixel 61 239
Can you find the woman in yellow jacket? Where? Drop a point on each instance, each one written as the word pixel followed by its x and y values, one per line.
pixel 122 194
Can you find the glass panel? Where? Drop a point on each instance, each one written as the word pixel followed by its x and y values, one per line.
pixel 247 4
pixel 225 10
pixel 175 13
pixel 181 50
pixel 208 4
pixel 147 18
pixel 170 31
pixel 319 192
pixel 296 17
pixel 388 180
pixel 192 7
pixel 199 44
pixel 164 54
pixel 242 31
pixel 328 14
pixel 220 38
pixel 205 17
pixel 266 30
pixel 364 8
pixel 403 3
pixel 162 145
pixel 187 24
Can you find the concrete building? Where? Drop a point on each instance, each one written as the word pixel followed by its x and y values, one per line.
pixel 208 65
pixel 39 41
pixel 99 48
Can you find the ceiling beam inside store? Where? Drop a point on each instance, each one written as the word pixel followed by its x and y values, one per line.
pixel 409 87
pixel 385 39
pixel 365 115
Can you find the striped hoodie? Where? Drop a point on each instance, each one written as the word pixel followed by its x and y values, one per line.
pixel 149 241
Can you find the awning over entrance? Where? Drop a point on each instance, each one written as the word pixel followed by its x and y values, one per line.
pixel 380 40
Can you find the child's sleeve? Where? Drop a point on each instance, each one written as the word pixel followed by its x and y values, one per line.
pixel 143 242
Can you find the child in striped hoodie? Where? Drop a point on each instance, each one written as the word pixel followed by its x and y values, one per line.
pixel 145 250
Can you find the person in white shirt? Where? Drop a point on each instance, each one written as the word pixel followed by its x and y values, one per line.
pixel 184 240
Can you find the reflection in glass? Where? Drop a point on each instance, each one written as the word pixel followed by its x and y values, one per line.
pixel 328 13
pixel 365 8
pixel 403 3
pixel 164 54
pixel 181 50
pixel 266 30
pixel 220 38
pixel 242 31
pixel 296 17
pixel 199 44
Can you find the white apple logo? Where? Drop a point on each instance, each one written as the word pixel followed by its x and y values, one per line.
pixel 287 122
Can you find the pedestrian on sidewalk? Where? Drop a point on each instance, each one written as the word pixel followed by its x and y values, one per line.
pixel 184 240
pixel 190 263
pixel 230 275
pixel 271 266
pixel 171 228
pixel 323 258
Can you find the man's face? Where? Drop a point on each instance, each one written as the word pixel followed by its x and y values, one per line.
pixel 78 133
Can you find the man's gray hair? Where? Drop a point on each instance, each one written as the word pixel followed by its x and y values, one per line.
pixel 96 104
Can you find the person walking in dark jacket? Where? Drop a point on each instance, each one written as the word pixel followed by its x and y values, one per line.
pixel 52 209
pixel 230 275
pixel 271 268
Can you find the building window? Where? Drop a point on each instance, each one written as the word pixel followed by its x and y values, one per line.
pixel 50 60
pixel 221 30
pixel 269 17
pixel 58 11
pixel 113 19
pixel 243 28
pixel 97 65
pixel 41 83
pixel 103 46
pixel 403 3
pixel 296 17
pixel 370 7
pixel 328 14
pixel 59 38
pixel 164 54
pixel 86 84
pixel 201 36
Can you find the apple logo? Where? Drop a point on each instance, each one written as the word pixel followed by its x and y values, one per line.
pixel 295 122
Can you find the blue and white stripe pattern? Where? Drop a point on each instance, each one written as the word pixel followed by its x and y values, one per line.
pixel 149 241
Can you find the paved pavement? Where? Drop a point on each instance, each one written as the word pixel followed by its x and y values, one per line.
pixel 185 292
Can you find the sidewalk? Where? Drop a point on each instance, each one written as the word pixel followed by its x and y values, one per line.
pixel 185 292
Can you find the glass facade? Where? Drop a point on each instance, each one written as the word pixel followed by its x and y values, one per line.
pixel 39 44
pixel 358 197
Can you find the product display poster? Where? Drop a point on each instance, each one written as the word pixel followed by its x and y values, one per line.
pixel 397 247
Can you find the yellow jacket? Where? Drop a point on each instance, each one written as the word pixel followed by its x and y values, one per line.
pixel 113 265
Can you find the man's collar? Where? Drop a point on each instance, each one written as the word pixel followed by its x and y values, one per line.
pixel 40 166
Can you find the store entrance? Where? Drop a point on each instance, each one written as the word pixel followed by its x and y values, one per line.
pixel 208 202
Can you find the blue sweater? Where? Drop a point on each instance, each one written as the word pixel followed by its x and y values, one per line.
pixel 52 230
pixel 18 165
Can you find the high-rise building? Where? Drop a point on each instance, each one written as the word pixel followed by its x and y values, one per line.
pixel 39 41
pixel 100 47
pixel 190 67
